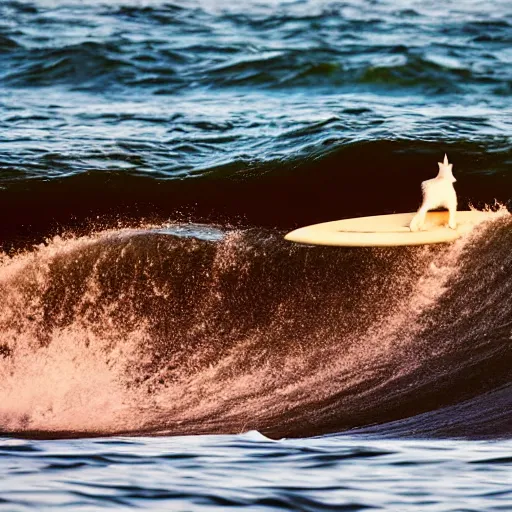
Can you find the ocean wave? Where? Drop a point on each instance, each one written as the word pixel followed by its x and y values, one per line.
pixel 80 64
pixel 155 64
pixel 7 43
pixel 161 332
pixel 152 156
pixel 335 181
pixel 161 47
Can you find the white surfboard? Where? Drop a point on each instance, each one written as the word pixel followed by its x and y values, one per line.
pixel 388 230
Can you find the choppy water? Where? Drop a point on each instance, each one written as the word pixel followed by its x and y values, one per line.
pixel 152 155
pixel 250 471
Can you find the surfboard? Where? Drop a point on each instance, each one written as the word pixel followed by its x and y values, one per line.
pixel 388 230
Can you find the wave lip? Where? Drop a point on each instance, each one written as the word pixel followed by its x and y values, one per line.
pixel 332 182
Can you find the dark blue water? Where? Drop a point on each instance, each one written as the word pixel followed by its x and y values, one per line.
pixel 152 155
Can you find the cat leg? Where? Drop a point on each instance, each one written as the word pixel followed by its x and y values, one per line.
pixel 418 221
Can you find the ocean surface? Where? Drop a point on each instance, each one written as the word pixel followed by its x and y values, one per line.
pixel 161 346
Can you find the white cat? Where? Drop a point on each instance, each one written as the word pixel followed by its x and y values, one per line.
pixel 437 193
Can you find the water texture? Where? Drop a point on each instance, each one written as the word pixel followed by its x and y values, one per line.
pixel 110 108
pixel 251 472
pixel 152 156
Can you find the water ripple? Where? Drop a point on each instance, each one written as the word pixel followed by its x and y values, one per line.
pixel 219 472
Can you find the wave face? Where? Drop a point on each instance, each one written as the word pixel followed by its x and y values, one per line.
pixel 183 329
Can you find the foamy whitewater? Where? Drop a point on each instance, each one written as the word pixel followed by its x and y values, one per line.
pixel 155 330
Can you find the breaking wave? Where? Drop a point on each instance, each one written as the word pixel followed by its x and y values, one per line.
pixel 183 329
